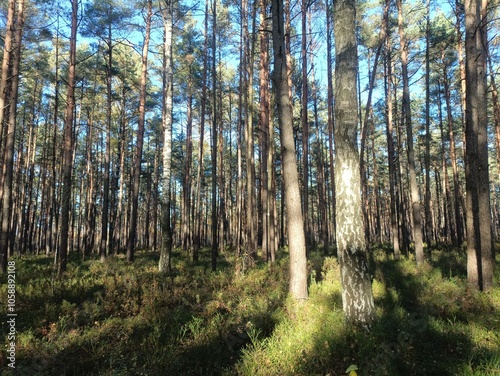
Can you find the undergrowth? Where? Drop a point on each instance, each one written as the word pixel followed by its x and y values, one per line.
pixel 118 318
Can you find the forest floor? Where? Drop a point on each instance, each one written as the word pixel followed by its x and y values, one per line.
pixel 117 318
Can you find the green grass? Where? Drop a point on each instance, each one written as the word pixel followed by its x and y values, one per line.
pixel 118 318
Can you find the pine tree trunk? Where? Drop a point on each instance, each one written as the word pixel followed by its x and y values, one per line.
pixel 479 241
pixel 305 123
pixel 215 245
pixel 68 145
pixel 406 116
pixel 186 187
pixel 265 140
pixel 103 247
pixel 457 195
pixel 131 241
pixel 6 133
pixel 295 224
pixel 390 135
pixel 201 176
pixel 331 126
pixel 427 197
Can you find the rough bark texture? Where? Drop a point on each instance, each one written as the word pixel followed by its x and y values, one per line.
pixel 479 242
pixel 357 296
pixel 164 264
pixel 295 225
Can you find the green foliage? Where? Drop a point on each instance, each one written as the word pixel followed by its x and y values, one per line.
pixel 117 318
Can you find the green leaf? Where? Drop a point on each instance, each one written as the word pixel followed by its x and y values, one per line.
pixel 352 367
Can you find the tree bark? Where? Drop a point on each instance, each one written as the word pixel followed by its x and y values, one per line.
pixel 357 296
pixel 164 265
pixel 140 138
pixel 479 239
pixel 295 224
pixel 103 247
pixel 5 131
pixel 265 140
pixel 215 243
pixel 330 114
pixel 406 116
pixel 200 175
pixel 305 122
pixel 68 144
pixel 427 197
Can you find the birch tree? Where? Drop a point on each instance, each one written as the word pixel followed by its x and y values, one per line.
pixel 357 296
pixel 166 244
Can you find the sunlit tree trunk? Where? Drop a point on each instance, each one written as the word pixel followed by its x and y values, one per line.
pixel 295 224
pixel 357 296
pixel 166 243
pixel 479 242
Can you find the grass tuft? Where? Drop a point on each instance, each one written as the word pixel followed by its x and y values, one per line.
pixel 117 318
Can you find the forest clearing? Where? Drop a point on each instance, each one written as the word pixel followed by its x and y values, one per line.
pixel 116 318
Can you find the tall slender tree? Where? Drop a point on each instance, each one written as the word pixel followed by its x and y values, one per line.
pixel 479 237
pixel 295 224
pixel 8 155
pixel 68 144
pixel 304 7
pixel 140 136
pixel 166 244
pixel 215 242
pixel 6 59
pixel 407 120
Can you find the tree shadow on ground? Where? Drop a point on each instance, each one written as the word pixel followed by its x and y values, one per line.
pixel 413 335
pixel 193 323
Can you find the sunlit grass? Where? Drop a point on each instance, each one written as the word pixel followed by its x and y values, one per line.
pixel 118 318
